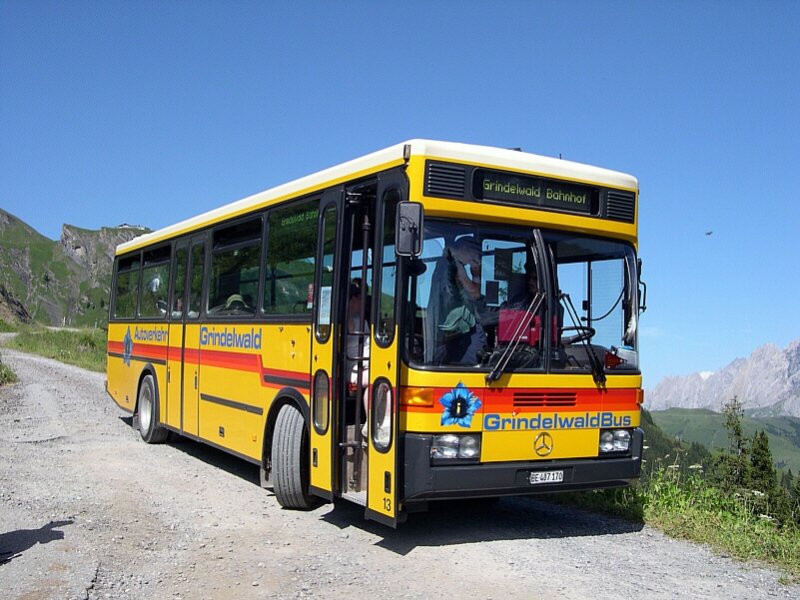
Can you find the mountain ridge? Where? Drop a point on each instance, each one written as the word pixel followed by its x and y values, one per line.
pixel 767 383
pixel 57 282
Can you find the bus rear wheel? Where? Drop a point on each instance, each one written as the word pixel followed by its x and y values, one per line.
pixel 149 428
pixel 290 463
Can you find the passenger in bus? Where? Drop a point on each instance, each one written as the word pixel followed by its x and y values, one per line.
pixel 357 298
pixel 239 303
pixel 522 287
pixel 514 324
pixel 462 338
pixel 177 309
pixel 522 290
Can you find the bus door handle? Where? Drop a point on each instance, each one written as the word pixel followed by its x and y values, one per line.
pixel 195 380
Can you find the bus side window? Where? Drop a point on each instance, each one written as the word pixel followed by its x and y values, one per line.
pixel 196 284
pixel 126 290
pixel 291 251
pixel 179 286
pixel 155 280
pixel 234 269
pixel 385 321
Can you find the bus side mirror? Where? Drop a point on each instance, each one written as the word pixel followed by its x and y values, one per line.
pixel 408 229
pixel 642 287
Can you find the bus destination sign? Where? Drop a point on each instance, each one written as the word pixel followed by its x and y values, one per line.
pixel 522 189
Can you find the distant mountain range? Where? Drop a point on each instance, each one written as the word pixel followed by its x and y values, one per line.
pixel 767 383
pixel 64 282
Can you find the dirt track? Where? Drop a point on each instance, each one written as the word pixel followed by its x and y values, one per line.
pixel 89 511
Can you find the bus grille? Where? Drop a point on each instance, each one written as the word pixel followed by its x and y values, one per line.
pixel 445 180
pixel 620 206
pixel 554 399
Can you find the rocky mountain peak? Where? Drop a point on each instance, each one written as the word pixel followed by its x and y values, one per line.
pixel 57 282
pixel 767 383
pixel 93 250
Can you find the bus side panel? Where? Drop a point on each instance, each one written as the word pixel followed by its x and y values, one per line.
pixel 172 406
pixel 241 369
pixel 122 378
pixel 132 347
pixel 150 346
pixel 286 359
pixel 232 399
pixel 287 362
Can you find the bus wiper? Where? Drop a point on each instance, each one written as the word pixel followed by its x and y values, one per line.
pixel 598 372
pixel 524 323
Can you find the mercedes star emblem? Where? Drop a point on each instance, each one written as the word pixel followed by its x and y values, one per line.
pixel 543 444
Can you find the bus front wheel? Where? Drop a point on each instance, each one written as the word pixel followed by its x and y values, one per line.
pixel 290 460
pixel 149 428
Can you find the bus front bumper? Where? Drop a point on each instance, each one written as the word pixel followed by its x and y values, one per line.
pixel 423 481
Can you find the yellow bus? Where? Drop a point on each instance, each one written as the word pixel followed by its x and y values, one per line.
pixel 431 321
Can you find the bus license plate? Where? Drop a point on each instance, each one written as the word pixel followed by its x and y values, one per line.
pixel 545 477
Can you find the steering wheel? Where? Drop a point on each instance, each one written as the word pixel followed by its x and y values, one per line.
pixel 585 333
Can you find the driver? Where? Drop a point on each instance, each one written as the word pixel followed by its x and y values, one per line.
pixel 461 336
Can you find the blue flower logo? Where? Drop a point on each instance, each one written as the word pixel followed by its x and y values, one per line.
pixel 459 406
pixel 127 347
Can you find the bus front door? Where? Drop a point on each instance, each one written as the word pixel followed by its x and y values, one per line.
pixel 383 496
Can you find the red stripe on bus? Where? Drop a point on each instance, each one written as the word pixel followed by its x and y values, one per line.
pixel 289 374
pixel 149 351
pixel 536 400
pixel 231 360
pixel 239 361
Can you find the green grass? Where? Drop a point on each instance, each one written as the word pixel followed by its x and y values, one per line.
pixel 691 509
pixel 84 348
pixel 6 375
pixel 7 327
pixel 688 507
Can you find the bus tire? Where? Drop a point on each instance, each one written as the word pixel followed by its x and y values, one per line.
pixel 290 463
pixel 149 428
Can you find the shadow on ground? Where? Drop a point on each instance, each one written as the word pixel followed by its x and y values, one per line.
pixel 210 455
pixel 470 521
pixel 446 522
pixel 14 543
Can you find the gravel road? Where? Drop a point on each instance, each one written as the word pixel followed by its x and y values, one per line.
pixel 87 510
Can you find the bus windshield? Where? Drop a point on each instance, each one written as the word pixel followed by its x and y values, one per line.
pixel 483 295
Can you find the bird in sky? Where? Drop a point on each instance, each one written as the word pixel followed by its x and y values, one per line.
pixel 709 232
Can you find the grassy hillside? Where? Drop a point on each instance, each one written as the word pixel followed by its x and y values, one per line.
pixel 56 282
pixel 708 428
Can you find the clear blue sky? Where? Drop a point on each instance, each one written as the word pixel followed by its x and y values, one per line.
pixel 151 112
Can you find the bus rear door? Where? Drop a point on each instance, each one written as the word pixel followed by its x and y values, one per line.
pixel 324 358
pixel 191 341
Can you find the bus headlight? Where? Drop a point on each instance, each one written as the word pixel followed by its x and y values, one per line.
pixel 450 446
pixel 615 440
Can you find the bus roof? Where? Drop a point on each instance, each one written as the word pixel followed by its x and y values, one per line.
pixel 487 156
